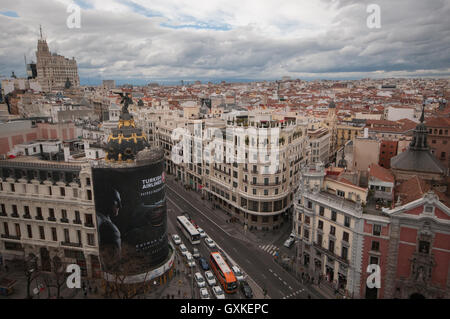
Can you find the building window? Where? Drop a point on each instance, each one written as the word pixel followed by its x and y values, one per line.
pixel 13 188
pixel 66 235
pixel 18 233
pixel 91 239
pixel 254 218
pixel 62 191
pixel 307 220
pixel 377 230
pixel 319 240
pixel 375 246
pixel 340 193
pixel 309 205
pixel 344 253
pixel 345 236
pixel 39 213
pixel 54 235
pixel 30 232
pixel 42 232
pixel 331 246
pixel 347 221
pixel 333 216
pixel 320 225
pixel 306 234
pixel 321 210
pixel 373 260
pixel 5 226
pixel 332 230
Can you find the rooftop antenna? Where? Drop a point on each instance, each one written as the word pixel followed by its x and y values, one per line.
pixel 40 30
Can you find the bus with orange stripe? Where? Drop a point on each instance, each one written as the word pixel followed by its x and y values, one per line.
pixel 223 272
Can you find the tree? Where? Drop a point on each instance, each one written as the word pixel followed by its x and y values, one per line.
pixel 57 278
pixel 117 285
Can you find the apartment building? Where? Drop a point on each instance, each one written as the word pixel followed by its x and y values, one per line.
pixel 328 220
pixel 245 187
pixel 47 211
pixel 319 141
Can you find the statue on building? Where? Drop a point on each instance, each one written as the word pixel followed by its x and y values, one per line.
pixel 126 100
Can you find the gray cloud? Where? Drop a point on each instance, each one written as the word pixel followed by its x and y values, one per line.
pixel 414 40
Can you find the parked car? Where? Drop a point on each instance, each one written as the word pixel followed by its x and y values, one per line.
pixel 176 239
pixel 190 259
pixel 237 273
pixel 288 243
pixel 199 280
pixel 246 289
pixel 218 292
pixel 204 294
pixel 210 278
pixel 210 242
pixel 203 263
pixel 196 253
pixel 183 249
pixel 202 232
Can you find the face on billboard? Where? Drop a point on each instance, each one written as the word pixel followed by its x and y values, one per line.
pixel 131 217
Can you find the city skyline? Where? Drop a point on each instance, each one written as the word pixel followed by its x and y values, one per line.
pixel 134 42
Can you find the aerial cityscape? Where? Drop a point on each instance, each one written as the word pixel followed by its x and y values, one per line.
pixel 162 150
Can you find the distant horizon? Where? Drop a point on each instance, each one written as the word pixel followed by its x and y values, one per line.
pixel 171 82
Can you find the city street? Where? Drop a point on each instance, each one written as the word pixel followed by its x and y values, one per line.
pixel 257 263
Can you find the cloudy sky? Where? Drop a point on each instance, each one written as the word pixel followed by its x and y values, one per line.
pixel 156 40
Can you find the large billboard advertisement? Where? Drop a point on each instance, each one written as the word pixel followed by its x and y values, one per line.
pixel 131 213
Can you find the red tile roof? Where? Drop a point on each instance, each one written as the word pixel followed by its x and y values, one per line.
pixel 381 173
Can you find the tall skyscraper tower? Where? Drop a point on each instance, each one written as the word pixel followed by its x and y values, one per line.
pixel 53 70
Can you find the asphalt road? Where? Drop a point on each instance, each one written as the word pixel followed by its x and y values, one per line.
pixel 256 263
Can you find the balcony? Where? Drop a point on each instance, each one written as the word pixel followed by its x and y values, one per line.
pixel 90 224
pixel 10 237
pixel 39 217
pixel 64 220
pixel 3 214
pixel 65 243
pixel 266 184
pixel 77 221
pixel 331 253
pixel 51 219
pixel 26 216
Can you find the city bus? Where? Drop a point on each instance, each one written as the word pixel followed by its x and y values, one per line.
pixel 188 230
pixel 223 272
